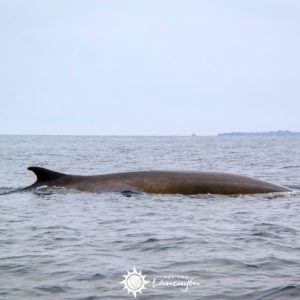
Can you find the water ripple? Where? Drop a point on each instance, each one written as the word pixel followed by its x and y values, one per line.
pixel 70 245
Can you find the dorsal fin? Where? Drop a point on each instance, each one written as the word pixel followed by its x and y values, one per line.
pixel 43 175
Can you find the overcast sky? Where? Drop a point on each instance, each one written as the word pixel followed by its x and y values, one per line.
pixel 156 67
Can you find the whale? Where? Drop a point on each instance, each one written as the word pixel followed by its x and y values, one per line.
pixel 157 182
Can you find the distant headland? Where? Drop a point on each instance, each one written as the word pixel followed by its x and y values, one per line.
pixel 268 133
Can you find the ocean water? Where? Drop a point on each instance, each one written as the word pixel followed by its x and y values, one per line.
pixel 64 244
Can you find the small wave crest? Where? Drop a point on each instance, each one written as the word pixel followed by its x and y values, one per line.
pixel 280 292
pixel 290 167
pixel 9 190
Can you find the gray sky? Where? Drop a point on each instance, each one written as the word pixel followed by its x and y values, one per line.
pixel 149 67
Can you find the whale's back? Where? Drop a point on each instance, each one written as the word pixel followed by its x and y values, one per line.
pixel 159 182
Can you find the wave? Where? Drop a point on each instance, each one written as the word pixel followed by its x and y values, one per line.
pixel 290 167
pixel 278 293
pixel 10 190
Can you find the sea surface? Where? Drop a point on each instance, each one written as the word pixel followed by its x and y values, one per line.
pixel 64 244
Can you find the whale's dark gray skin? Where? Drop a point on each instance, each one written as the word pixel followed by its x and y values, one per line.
pixel 158 182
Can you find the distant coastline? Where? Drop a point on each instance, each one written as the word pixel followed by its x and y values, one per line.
pixel 268 133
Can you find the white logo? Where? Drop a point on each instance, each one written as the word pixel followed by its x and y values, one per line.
pixel 134 282
pixel 183 282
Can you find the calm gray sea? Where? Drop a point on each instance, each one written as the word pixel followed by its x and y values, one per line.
pixel 60 244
